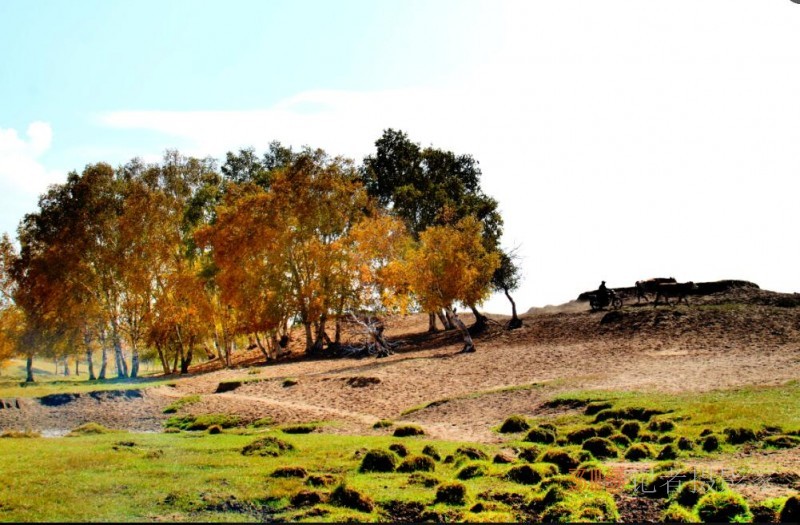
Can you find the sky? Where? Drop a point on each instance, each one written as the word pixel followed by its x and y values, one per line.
pixel 622 139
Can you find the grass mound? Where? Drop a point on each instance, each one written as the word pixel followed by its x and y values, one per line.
pixel 299 429
pixel 710 443
pixel 631 429
pixel 525 474
pixel 667 453
pixel 451 494
pixel 20 434
pixel 566 482
pixel 781 441
pixel 289 472
pixel 514 424
pixel 560 458
pixel 576 437
pixel 399 449
pixel 417 464
pixel 472 453
pixel 541 435
pixel 377 460
pixel 268 446
pixel 685 444
pixel 475 470
pixel 215 429
pixel 591 471
pixel 88 429
pixel 638 452
pixel 180 403
pixel 723 507
pixel 321 480
pixel 677 514
pixel 344 496
pixel 594 408
pixel 690 492
pixel 629 413
pixel 739 436
pixel 600 448
pixel 424 480
pixel 408 430
pixel 383 423
pixel 661 425
pixel 202 422
pixel 790 512
pixel 431 452
pixel 664 483
pixel 620 440
pixel 306 498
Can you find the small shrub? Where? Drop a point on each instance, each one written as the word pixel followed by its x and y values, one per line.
pixel 781 441
pixel 472 453
pixel 90 428
pixel 685 444
pixel 399 449
pixel 738 436
pixel 561 458
pixel 474 470
pixel 417 464
pixel 383 423
pixel 620 440
pixel 529 454
pixel 631 429
pixel 514 424
pixel 268 446
pixel 289 472
pixel 541 435
pixel 667 453
pixel 344 496
pixel 215 429
pixel 451 494
pixel 431 452
pixel 690 492
pixel 299 429
pixel 306 498
pixel 377 460
pixel 677 514
pixel 408 430
pixel 638 452
pixel 576 437
pixel 710 443
pixel 594 408
pixel 790 512
pixel 600 447
pixel 663 425
pixel 723 507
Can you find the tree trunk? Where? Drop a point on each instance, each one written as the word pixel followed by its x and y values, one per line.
pixel 469 346
pixel 432 323
pixel 134 360
pixel 29 369
pixel 122 366
pixel 103 356
pixel 309 338
pixel 319 341
pixel 163 358
pixel 77 366
pixel 515 321
pixel 264 351
pixel 480 320
pixel 178 352
pixel 66 367
pixel 444 320
pixel 337 338
pixel 90 363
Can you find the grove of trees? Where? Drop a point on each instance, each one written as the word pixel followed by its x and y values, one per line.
pixel 164 261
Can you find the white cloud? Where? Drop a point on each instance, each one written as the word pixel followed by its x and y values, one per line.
pixel 20 164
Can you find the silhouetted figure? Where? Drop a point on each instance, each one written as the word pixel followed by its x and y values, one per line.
pixel 602 293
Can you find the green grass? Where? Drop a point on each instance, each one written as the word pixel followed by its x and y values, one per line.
pixel 180 403
pixel 471 395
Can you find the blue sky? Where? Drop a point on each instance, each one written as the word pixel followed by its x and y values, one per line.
pixel 598 125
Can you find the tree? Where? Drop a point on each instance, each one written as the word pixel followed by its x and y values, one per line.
pixel 430 187
pixel 506 278
pixel 449 264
